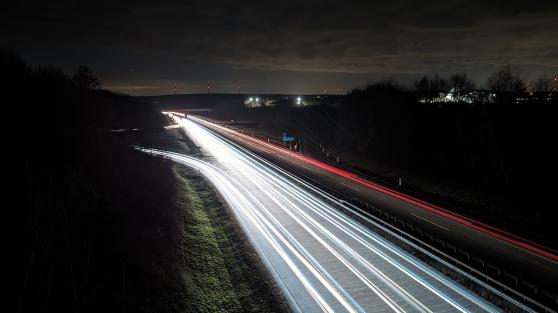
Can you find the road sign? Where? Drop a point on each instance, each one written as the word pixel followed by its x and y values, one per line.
pixel 287 138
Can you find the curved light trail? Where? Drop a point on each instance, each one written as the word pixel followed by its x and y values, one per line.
pixel 322 259
pixel 526 244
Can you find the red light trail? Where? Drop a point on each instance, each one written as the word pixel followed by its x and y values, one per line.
pixel 477 225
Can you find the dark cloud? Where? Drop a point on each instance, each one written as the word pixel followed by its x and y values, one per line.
pixel 331 43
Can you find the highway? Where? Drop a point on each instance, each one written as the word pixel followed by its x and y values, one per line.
pixel 511 254
pixel 322 259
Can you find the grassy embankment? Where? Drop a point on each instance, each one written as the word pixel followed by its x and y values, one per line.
pixel 220 269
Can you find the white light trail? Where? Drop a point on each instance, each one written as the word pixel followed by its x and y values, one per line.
pixel 311 246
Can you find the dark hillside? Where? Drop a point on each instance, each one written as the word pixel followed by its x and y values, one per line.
pixel 105 228
pixel 91 238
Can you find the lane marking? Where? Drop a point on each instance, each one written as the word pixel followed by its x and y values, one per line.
pixel 422 218
pixel 533 247
pixel 350 186
pixel 306 167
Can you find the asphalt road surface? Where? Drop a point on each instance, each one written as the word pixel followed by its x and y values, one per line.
pixel 322 259
pixel 511 254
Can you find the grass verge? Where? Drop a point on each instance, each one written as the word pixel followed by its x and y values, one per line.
pixel 220 269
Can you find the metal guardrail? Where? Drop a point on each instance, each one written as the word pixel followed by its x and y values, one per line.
pixel 459 257
pixel 506 281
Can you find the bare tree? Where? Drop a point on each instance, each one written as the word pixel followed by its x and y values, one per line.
pixel 439 85
pixel 431 87
pixel 508 79
pixel 543 84
pixel 461 84
pixel 422 86
pixel 85 78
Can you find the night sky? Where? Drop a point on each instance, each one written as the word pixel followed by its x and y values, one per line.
pixel 144 48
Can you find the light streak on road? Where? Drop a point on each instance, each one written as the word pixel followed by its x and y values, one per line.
pixel 322 259
pixel 518 241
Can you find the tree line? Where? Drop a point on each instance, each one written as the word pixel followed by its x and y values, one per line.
pixel 508 80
